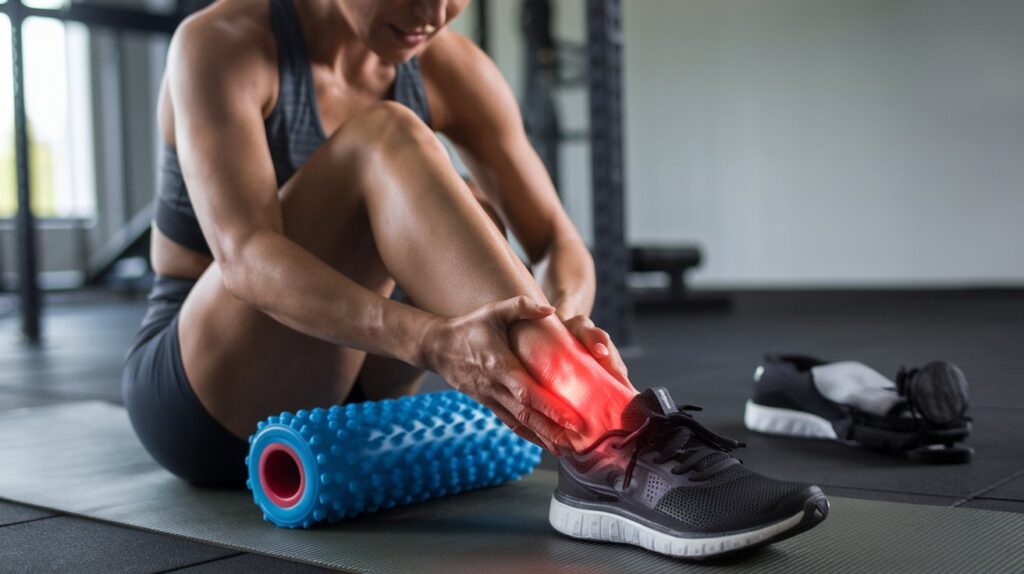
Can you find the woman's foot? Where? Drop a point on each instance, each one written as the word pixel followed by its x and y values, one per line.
pixel 666 483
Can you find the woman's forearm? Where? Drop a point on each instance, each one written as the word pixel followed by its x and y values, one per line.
pixel 567 277
pixel 302 292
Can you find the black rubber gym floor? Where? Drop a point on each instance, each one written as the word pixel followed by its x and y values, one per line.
pixel 703 358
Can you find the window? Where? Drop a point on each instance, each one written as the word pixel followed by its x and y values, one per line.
pixel 58 108
pixel 8 185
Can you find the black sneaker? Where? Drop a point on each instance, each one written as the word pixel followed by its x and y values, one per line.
pixel 666 483
pixel 921 413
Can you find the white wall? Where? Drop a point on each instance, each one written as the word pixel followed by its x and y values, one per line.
pixel 830 141
pixel 819 142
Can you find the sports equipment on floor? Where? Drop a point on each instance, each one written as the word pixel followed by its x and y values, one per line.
pixel 922 413
pixel 83 458
pixel 666 483
pixel 328 464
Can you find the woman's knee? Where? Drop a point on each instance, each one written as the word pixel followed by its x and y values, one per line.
pixel 381 132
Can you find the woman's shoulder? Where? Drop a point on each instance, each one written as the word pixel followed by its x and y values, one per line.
pixel 228 33
pixel 225 47
pixel 458 76
pixel 452 54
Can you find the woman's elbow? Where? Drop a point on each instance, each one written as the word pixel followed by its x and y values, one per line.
pixel 233 280
pixel 231 255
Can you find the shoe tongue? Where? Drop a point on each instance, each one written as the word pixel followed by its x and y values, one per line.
pixel 657 401
pixel 652 401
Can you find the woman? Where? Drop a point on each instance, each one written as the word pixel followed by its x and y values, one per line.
pixel 301 180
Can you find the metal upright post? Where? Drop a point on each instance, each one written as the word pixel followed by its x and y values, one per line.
pixel 613 308
pixel 483 36
pixel 122 124
pixel 28 287
pixel 541 73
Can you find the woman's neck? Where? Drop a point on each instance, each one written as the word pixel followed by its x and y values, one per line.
pixel 331 41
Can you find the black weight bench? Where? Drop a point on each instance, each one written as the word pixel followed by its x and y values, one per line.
pixel 675 261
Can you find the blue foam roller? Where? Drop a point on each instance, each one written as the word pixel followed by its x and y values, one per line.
pixel 324 465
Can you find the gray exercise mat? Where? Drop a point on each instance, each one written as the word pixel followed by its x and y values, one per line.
pixel 83 458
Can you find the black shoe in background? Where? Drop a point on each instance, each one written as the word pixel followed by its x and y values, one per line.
pixel 922 413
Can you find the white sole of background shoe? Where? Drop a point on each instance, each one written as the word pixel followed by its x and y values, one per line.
pixel 772 420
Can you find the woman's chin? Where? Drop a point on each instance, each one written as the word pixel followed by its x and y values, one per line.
pixel 394 56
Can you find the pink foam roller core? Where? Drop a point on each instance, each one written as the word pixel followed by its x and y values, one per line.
pixel 281 475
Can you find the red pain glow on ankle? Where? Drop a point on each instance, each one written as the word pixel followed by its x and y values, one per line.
pixel 582 385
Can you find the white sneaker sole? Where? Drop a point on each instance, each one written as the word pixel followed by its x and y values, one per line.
pixel 772 420
pixel 589 524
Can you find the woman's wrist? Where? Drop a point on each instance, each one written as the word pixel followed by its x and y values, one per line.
pixel 568 278
pixel 569 304
pixel 406 332
pixel 424 341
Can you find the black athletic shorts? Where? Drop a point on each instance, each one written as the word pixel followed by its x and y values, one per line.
pixel 168 418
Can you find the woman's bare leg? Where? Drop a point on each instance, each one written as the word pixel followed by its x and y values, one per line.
pixel 391 378
pixel 469 263
pixel 379 202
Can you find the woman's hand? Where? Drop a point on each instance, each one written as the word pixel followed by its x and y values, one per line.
pixel 473 354
pixel 600 346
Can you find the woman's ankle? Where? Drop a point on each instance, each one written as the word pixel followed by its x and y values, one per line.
pixel 563 366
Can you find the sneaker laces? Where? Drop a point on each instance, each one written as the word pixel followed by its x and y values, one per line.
pixel 677 436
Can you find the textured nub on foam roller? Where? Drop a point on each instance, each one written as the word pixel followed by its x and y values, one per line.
pixel 329 464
